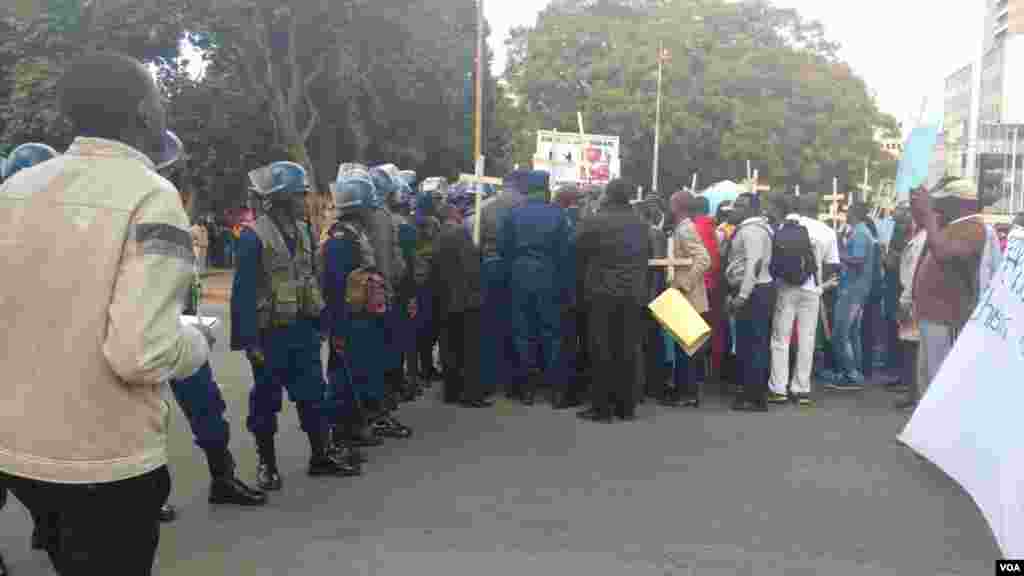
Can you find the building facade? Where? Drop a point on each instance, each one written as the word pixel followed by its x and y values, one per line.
pixel 956 121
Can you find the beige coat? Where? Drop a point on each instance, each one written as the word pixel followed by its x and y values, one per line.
pixel 686 243
pixel 91 316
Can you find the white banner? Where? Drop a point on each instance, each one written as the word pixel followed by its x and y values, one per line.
pixel 967 422
pixel 576 158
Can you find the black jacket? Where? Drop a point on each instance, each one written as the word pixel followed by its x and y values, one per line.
pixel 612 250
pixel 456 271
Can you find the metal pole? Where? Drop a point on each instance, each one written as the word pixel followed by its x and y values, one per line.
pixel 478 128
pixel 657 125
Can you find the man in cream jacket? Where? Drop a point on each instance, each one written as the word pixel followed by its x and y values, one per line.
pixel 97 259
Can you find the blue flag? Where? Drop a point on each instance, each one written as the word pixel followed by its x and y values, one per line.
pixel 916 160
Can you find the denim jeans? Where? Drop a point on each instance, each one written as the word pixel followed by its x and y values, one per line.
pixel 846 333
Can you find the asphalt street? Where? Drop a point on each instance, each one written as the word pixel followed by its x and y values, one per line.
pixel 516 490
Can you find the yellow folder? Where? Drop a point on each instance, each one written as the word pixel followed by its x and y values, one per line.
pixel 676 315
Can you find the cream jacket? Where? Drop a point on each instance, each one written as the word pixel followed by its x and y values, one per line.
pixel 97 259
pixel 687 243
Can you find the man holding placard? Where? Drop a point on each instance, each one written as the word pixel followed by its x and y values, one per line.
pixel 949 276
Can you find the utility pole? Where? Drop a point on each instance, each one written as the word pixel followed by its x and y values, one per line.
pixel 478 121
pixel 662 56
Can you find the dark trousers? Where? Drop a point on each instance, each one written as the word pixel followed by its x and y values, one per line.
pixel 583 364
pixel 566 379
pixel 613 334
pixel 908 372
pixel 654 356
pixel 111 528
pixel 538 318
pixel 497 354
pixel 203 405
pixel 753 344
pixel 293 363
pixel 462 370
pixel 871 323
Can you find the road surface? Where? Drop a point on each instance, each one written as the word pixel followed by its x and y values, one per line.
pixel 519 490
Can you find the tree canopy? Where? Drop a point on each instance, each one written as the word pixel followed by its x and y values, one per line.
pixel 744 81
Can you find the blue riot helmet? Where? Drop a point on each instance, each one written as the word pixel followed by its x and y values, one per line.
pixel 288 178
pixel 385 180
pixel 27 156
pixel 409 177
pixel 171 151
pixel 280 184
pixel 354 190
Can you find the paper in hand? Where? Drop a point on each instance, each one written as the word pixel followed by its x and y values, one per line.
pixel 206 321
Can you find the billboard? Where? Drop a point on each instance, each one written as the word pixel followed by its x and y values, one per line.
pixel 577 158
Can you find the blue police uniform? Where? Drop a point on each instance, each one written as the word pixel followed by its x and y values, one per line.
pixel 266 318
pixel 533 243
pixel 497 351
pixel 291 353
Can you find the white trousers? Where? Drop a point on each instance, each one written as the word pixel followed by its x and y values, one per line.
pixel 801 305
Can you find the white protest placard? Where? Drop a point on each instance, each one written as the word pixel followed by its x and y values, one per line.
pixel 968 421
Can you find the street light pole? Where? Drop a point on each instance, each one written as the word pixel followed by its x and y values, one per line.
pixel 657 122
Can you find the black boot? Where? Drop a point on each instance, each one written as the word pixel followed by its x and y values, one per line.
pixel 225 487
pixel 389 427
pixel 267 476
pixel 3 567
pixel 341 446
pixel 323 464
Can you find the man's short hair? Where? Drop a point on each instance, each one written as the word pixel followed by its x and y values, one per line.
pixel 100 93
pixel 752 199
pixel 617 192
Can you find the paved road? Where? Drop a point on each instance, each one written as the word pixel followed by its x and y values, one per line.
pixel 515 490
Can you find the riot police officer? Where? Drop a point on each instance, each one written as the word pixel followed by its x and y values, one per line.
pixel 275 316
pixel 200 399
pixel 351 389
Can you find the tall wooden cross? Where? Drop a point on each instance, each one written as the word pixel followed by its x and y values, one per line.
pixel 835 198
pixel 478 192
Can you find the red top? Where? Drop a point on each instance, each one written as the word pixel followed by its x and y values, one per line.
pixel 706 228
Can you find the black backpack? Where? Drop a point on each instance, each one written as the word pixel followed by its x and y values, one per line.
pixel 793 259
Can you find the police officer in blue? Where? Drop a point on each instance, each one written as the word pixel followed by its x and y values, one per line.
pixel 357 388
pixel 23 157
pixel 275 318
pixel 428 229
pixel 533 243
pixel 200 399
pixel 497 351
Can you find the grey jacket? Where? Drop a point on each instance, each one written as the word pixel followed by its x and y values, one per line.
pixel 492 211
pixel 749 255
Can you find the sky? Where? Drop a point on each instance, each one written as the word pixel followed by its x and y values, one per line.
pixel 904 49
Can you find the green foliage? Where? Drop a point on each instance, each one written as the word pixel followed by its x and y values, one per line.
pixel 746 81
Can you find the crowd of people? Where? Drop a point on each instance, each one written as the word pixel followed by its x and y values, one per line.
pixel 552 294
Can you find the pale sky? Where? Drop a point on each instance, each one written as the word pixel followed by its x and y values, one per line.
pixel 904 49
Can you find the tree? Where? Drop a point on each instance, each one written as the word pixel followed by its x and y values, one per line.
pixel 746 82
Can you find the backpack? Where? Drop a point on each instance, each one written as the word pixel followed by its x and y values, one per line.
pixel 793 259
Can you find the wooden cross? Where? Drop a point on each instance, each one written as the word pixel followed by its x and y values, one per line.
pixel 478 193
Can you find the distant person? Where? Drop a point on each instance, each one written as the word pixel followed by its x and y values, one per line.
pixel 612 250
pixel 954 269
pixel 751 300
pixel 83 439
